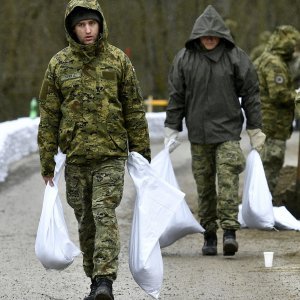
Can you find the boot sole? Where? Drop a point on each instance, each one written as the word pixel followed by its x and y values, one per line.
pixel 103 295
pixel 230 247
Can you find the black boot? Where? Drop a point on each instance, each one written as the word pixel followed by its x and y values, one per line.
pixel 210 243
pixel 104 289
pixel 93 287
pixel 230 245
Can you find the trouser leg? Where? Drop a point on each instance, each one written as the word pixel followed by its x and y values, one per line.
pixel 230 162
pixel 108 183
pixel 273 159
pixel 204 171
pixel 79 197
pixel 94 193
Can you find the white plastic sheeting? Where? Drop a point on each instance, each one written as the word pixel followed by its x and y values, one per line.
pixel 18 138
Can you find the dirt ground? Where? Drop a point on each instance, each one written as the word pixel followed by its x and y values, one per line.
pixel 187 274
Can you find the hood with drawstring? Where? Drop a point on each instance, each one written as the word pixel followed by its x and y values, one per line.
pixel 209 23
pixel 92 7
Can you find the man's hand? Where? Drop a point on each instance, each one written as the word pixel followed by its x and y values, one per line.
pixel 257 138
pixel 171 141
pixel 48 179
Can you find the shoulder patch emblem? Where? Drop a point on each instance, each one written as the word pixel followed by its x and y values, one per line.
pixel 279 79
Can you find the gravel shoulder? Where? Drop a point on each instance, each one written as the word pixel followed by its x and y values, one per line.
pixel 187 274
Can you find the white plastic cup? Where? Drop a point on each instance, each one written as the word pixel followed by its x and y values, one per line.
pixel 268 259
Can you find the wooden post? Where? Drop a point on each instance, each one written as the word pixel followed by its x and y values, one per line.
pixel 149 103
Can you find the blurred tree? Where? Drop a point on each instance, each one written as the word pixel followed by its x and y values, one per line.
pixel 153 30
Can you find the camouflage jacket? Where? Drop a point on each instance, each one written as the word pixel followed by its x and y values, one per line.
pixel 276 86
pixel 90 102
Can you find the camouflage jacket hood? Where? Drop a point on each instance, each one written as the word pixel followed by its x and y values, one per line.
pixel 283 41
pixel 86 51
pixel 209 23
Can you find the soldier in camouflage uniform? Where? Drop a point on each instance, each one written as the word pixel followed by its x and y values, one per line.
pixel 92 108
pixel 277 95
pixel 206 80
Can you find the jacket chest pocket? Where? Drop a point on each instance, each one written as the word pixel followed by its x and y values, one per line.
pixel 108 83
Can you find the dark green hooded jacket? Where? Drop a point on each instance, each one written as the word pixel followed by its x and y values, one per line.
pixel 276 85
pixel 90 102
pixel 205 86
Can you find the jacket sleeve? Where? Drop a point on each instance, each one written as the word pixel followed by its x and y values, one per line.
pixel 176 107
pixel 50 115
pixel 279 85
pixel 134 112
pixel 247 87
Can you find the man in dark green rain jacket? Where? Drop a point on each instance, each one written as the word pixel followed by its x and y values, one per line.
pixel 92 109
pixel 277 97
pixel 211 80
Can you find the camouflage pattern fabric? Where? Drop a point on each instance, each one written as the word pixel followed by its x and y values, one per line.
pixel 276 85
pixel 221 163
pixel 278 97
pixel 273 158
pixel 94 192
pixel 91 105
pixel 297 105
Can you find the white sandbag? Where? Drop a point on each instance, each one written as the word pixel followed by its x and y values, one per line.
pixel 240 217
pixel 257 207
pixel 53 246
pixel 156 204
pixel 145 259
pixel 284 219
pixel 183 221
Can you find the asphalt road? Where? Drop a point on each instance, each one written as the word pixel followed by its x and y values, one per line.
pixel 187 274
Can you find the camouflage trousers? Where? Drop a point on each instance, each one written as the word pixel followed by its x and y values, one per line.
pixel 94 192
pixel 273 159
pixel 216 169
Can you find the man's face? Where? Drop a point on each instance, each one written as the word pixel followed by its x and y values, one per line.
pixel 87 31
pixel 209 42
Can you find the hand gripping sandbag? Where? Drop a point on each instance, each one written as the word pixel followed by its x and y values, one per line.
pixel 155 206
pixel 257 207
pixel 53 246
pixel 183 221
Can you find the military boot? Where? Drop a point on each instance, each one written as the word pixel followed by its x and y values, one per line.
pixel 210 243
pixel 93 287
pixel 230 245
pixel 104 289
